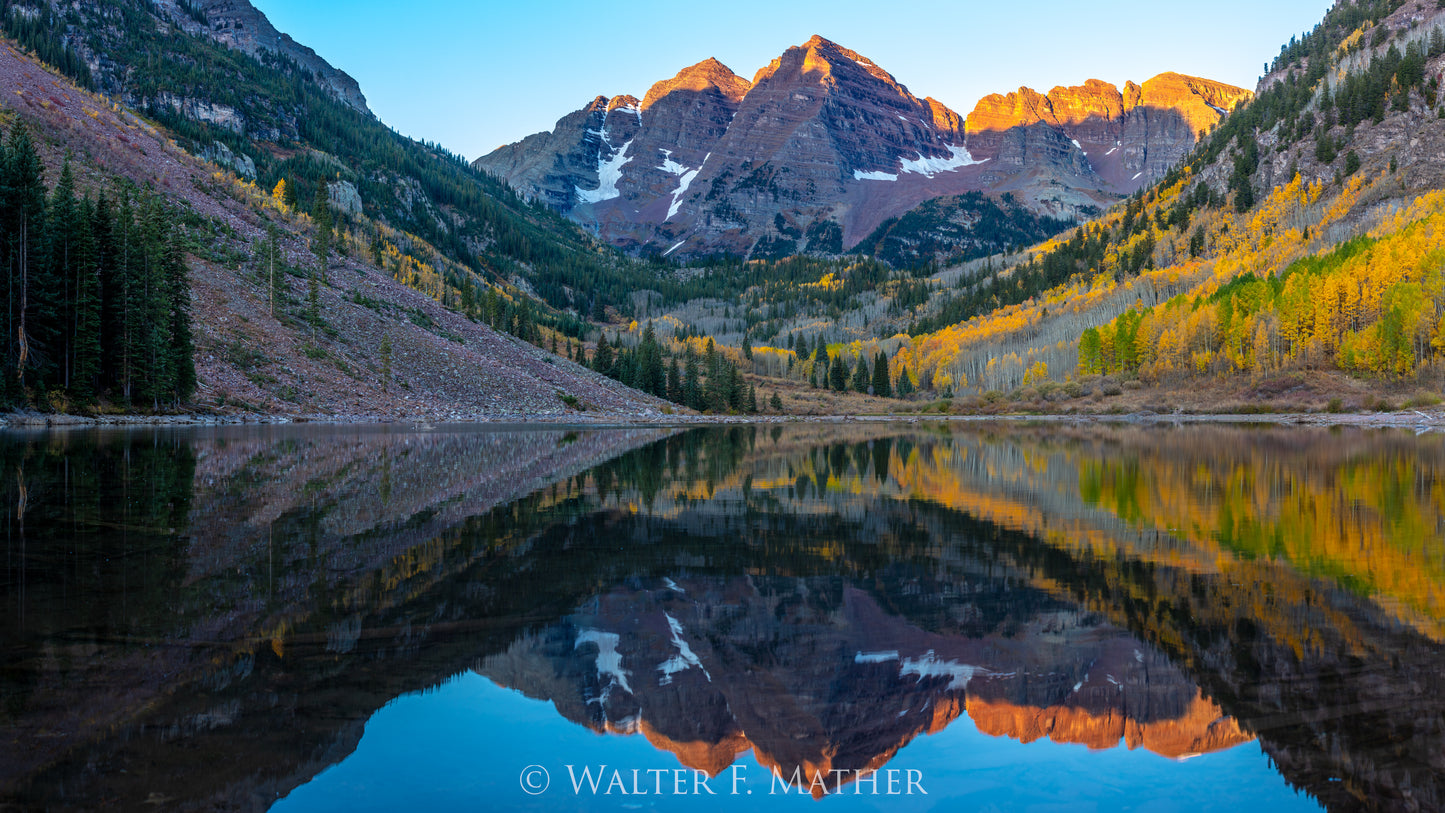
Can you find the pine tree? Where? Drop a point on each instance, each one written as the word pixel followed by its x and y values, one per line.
pixel 120 305
pixel 182 376
pixel 275 282
pixel 321 241
pixel 837 374
pixel 905 385
pixel 55 294
pixel 313 301
pixel 24 222
pixel 776 402
pixel 385 351
pixel 674 383
pixel 881 386
pixel 861 377
pixel 602 359
pixel 649 372
pixel 692 394
pixel 752 400
pixel 378 255
pixel 85 367
pixel 154 368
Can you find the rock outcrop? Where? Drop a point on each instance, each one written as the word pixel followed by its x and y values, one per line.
pixel 823 145
pixel 239 25
pixel 1126 139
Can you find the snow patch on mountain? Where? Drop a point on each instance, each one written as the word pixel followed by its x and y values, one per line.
pixel 928 167
pixel 609 172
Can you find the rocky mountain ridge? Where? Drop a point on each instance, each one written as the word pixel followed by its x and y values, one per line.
pixel 823 146
pixel 243 27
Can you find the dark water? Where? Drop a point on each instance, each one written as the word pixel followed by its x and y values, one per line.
pixel 878 617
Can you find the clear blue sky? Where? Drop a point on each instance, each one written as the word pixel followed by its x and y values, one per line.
pixel 474 75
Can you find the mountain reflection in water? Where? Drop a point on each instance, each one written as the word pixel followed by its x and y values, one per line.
pixel 207 619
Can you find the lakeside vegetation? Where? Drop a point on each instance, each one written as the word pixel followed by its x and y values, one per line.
pixel 97 292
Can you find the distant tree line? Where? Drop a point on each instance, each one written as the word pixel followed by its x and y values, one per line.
pixel 97 298
pixel 706 382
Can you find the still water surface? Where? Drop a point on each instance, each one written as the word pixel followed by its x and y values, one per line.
pixel 860 617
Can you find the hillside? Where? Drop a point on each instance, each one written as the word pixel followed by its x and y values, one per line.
pixel 251 358
pixel 227 86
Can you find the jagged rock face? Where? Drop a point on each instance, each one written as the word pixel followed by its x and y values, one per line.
pixel 1122 140
pixel 555 167
pixel 239 25
pixel 823 145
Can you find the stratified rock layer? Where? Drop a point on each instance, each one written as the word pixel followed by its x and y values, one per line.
pixel 823 145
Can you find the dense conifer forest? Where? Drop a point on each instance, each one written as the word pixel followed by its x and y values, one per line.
pixel 97 299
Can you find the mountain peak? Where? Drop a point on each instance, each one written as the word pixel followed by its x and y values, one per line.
pixel 824 144
pixel 709 74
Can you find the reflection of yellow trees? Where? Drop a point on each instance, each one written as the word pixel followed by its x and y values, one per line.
pixel 1373 525
pixel 1259 514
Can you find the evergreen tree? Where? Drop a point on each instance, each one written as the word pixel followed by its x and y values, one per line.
pixel 905 385
pixel 861 377
pixel 602 359
pixel 275 279
pixel 837 374
pixel 182 377
pixel 675 392
pixel 154 365
pixel 625 370
pixel 730 392
pixel 385 350
pixel 313 301
pixel 692 394
pixel 85 367
pixel 378 255
pixel 55 315
pixel 120 306
pixel 776 402
pixel 752 400
pixel 23 227
pixel 321 241
pixel 881 386
pixel 650 375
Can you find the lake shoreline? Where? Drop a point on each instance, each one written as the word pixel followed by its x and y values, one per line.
pixel 1409 418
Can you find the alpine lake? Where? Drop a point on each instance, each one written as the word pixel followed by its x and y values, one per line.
pixel 981 616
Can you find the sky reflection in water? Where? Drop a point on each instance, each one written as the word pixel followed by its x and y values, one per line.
pixel 441 750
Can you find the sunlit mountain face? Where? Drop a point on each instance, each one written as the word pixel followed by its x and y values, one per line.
pixel 285 617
